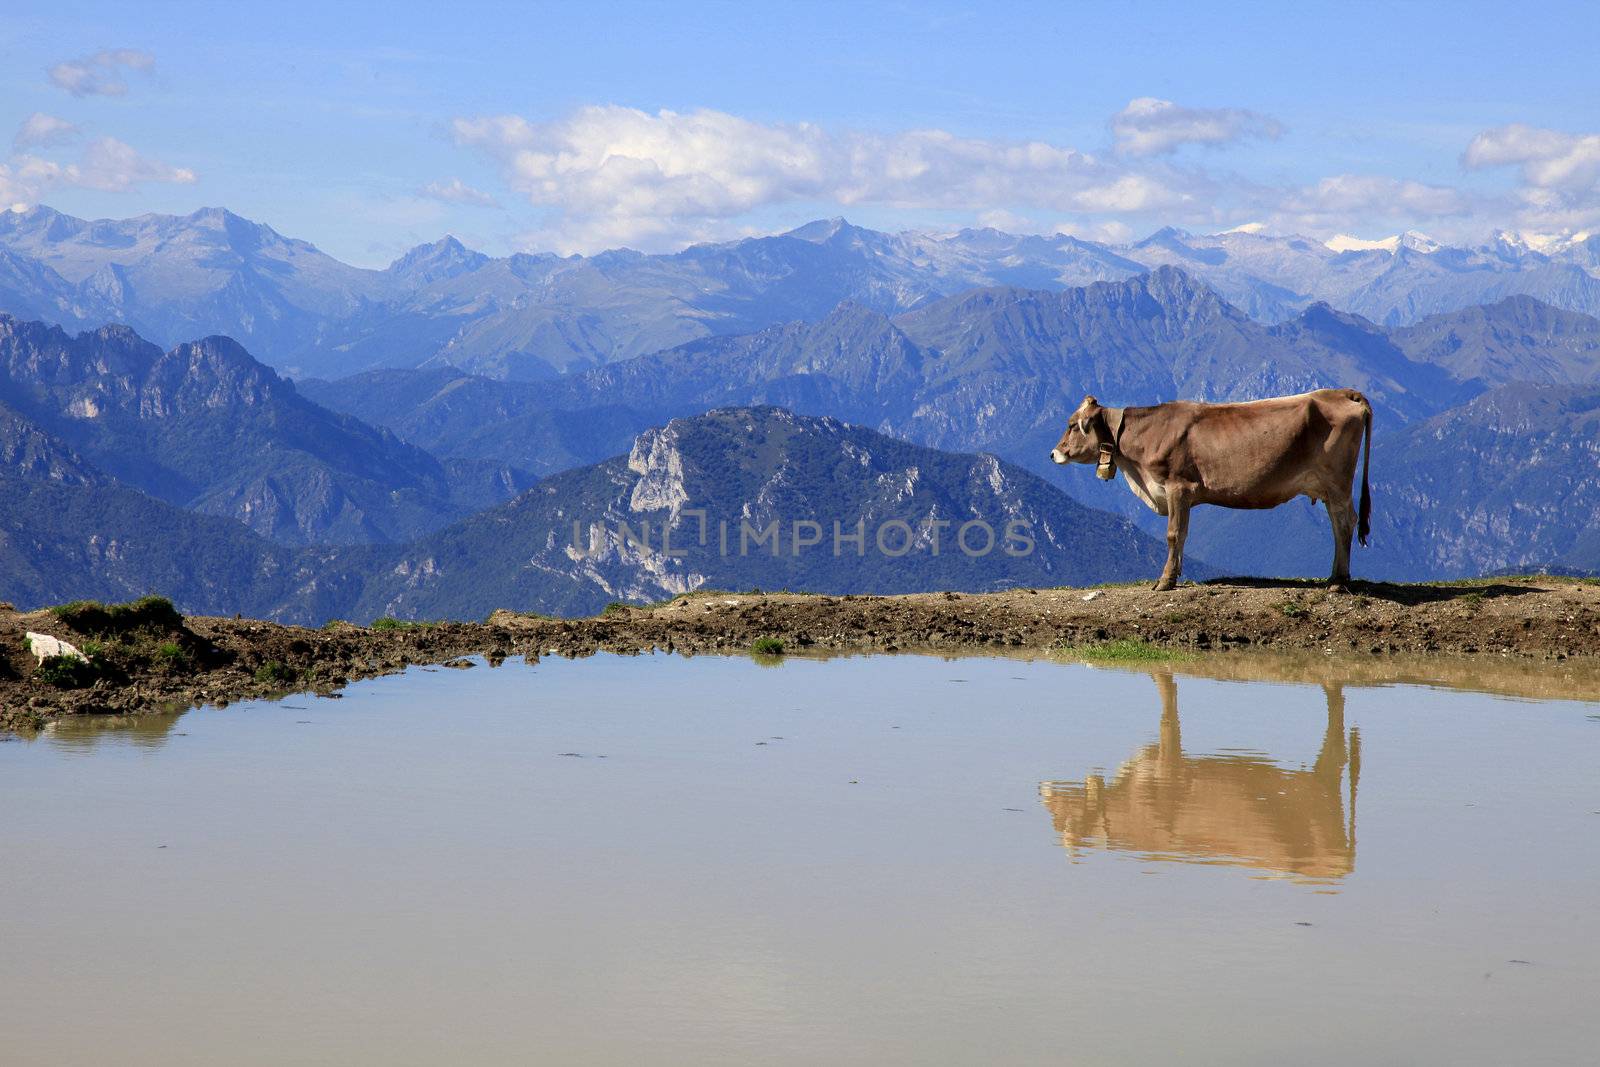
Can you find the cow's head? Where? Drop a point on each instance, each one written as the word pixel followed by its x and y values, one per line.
pixel 1088 438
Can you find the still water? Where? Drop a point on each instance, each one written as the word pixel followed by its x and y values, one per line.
pixel 876 860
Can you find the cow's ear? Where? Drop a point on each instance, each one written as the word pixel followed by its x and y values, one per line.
pixel 1091 401
pixel 1107 424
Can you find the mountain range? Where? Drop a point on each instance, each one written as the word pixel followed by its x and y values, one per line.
pixel 206 427
pixel 412 489
pixel 995 369
pixel 999 370
pixel 752 496
pixel 991 368
pixel 532 317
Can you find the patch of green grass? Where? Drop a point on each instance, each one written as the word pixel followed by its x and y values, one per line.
pixel 171 656
pixel 1473 599
pixel 1292 609
pixel 84 615
pixel 616 607
pixel 277 674
pixel 1123 650
pixel 93 617
pixel 766 646
pixel 389 622
pixel 67 672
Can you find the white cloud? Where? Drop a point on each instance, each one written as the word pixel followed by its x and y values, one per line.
pixel 1109 232
pixel 24 178
pixel 455 191
pixel 39 130
pixel 106 164
pixel 1356 201
pixel 112 166
pixel 1150 127
pixel 99 74
pixel 1560 172
pixel 604 176
pixel 1008 221
pixel 613 174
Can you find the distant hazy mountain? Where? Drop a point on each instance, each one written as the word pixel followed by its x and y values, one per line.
pixel 994 370
pixel 1517 339
pixel 536 316
pixel 174 278
pixel 1510 480
pixel 31 290
pixel 755 467
pixel 206 427
pixel 1398 282
pixel 452 413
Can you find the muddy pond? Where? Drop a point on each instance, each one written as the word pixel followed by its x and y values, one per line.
pixel 892 859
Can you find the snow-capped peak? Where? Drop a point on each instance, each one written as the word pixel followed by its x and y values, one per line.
pixel 1545 243
pixel 1416 242
pixel 1344 242
pixel 1248 227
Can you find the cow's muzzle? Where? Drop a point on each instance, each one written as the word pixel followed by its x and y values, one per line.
pixel 1057 455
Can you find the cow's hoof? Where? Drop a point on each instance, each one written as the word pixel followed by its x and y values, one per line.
pixel 1165 585
pixel 1338 585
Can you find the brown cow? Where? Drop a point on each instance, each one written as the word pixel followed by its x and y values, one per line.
pixel 1249 455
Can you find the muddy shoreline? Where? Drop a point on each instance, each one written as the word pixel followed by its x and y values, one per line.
pixel 1532 620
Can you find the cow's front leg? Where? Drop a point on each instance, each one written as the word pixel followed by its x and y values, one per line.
pixel 1178 503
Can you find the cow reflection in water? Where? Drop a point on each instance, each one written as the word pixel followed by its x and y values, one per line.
pixel 1233 809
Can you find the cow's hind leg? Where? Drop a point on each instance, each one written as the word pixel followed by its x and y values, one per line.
pixel 1342 516
pixel 1177 532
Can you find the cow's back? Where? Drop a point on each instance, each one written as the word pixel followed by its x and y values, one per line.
pixel 1261 453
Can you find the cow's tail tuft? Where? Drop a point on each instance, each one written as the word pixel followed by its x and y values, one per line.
pixel 1364 518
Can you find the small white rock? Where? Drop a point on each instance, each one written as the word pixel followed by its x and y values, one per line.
pixel 44 646
pixel 1091 595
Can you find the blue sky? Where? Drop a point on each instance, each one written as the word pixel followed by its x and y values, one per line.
pixel 368 129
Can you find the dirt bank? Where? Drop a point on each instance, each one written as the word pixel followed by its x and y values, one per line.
pixel 214 660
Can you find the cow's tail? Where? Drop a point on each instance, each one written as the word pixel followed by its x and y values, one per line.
pixel 1364 517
